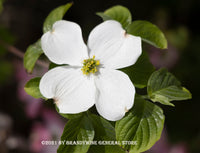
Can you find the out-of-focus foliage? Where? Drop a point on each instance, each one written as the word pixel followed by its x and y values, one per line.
pixel 1 5
pixel 6 68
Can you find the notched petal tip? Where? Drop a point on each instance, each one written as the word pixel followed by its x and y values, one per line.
pixel 56 101
pixel 126 35
pixel 125 109
pixel 52 31
pixel 64 43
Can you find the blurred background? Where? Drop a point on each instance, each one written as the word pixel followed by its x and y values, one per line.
pixel 25 121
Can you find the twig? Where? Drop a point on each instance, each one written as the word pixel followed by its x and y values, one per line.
pixel 20 53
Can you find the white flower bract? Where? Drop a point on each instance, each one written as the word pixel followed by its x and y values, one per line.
pixel 109 89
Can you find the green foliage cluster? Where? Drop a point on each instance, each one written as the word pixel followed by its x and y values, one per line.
pixel 144 122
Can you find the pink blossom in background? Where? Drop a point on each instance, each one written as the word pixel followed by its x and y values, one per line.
pixel 164 58
pixel 54 122
pixel 164 146
pixel 32 105
pixel 39 132
pixel 51 130
pixel 179 148
pixel 161 146
pixel 51 126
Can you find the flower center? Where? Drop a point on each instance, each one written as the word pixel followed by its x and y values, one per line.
pixel 90 66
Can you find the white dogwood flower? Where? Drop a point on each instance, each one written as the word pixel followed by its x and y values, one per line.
pixel 91 76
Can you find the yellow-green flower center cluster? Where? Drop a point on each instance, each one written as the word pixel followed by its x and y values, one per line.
pixel 90 66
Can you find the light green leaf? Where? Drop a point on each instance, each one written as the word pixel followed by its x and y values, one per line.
pixel 77 129
pixel 140 72
pixel 163 87
pixel 32 88
pixel 118 13
pixel 143 125
pixel 55 15
pixel 104 131
pixel 149 33
pixel 32 54
pixel 104 16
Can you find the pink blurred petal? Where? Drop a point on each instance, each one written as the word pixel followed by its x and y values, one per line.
pixel 162 145
pixel 179 148
pixel 166 58
pixel 33 109
pixel 39 134
pixel 54 121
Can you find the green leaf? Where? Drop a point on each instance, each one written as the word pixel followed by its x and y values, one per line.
pixel 140 72
pixel 118 13
pixel 143 125
pixel 55 15
pixel 149 33
pixel 53 65
pixel 78 129
pixel 163 87
pixel 104 131
pixel 69 116
pixel 32 88
pixel 32 54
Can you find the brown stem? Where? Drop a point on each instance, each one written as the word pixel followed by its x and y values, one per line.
pixel 20 54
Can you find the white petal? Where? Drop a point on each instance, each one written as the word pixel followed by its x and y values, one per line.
pixel 72 91
pixel 64 44
pixel 115 94
pixel 112 46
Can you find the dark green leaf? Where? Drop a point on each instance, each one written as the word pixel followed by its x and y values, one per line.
pixel 104 131
pixel 140 72
pixel 53 65
pixel 143 124
pixel 69 116
pixel 32 54
pixel 163 87
pixel 118 13
pixel 55 15
pixel 77 129
pixel 32 88
pixel 149 32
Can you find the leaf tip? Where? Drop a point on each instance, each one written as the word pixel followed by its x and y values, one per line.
pixel 70 3
pixel 189 93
